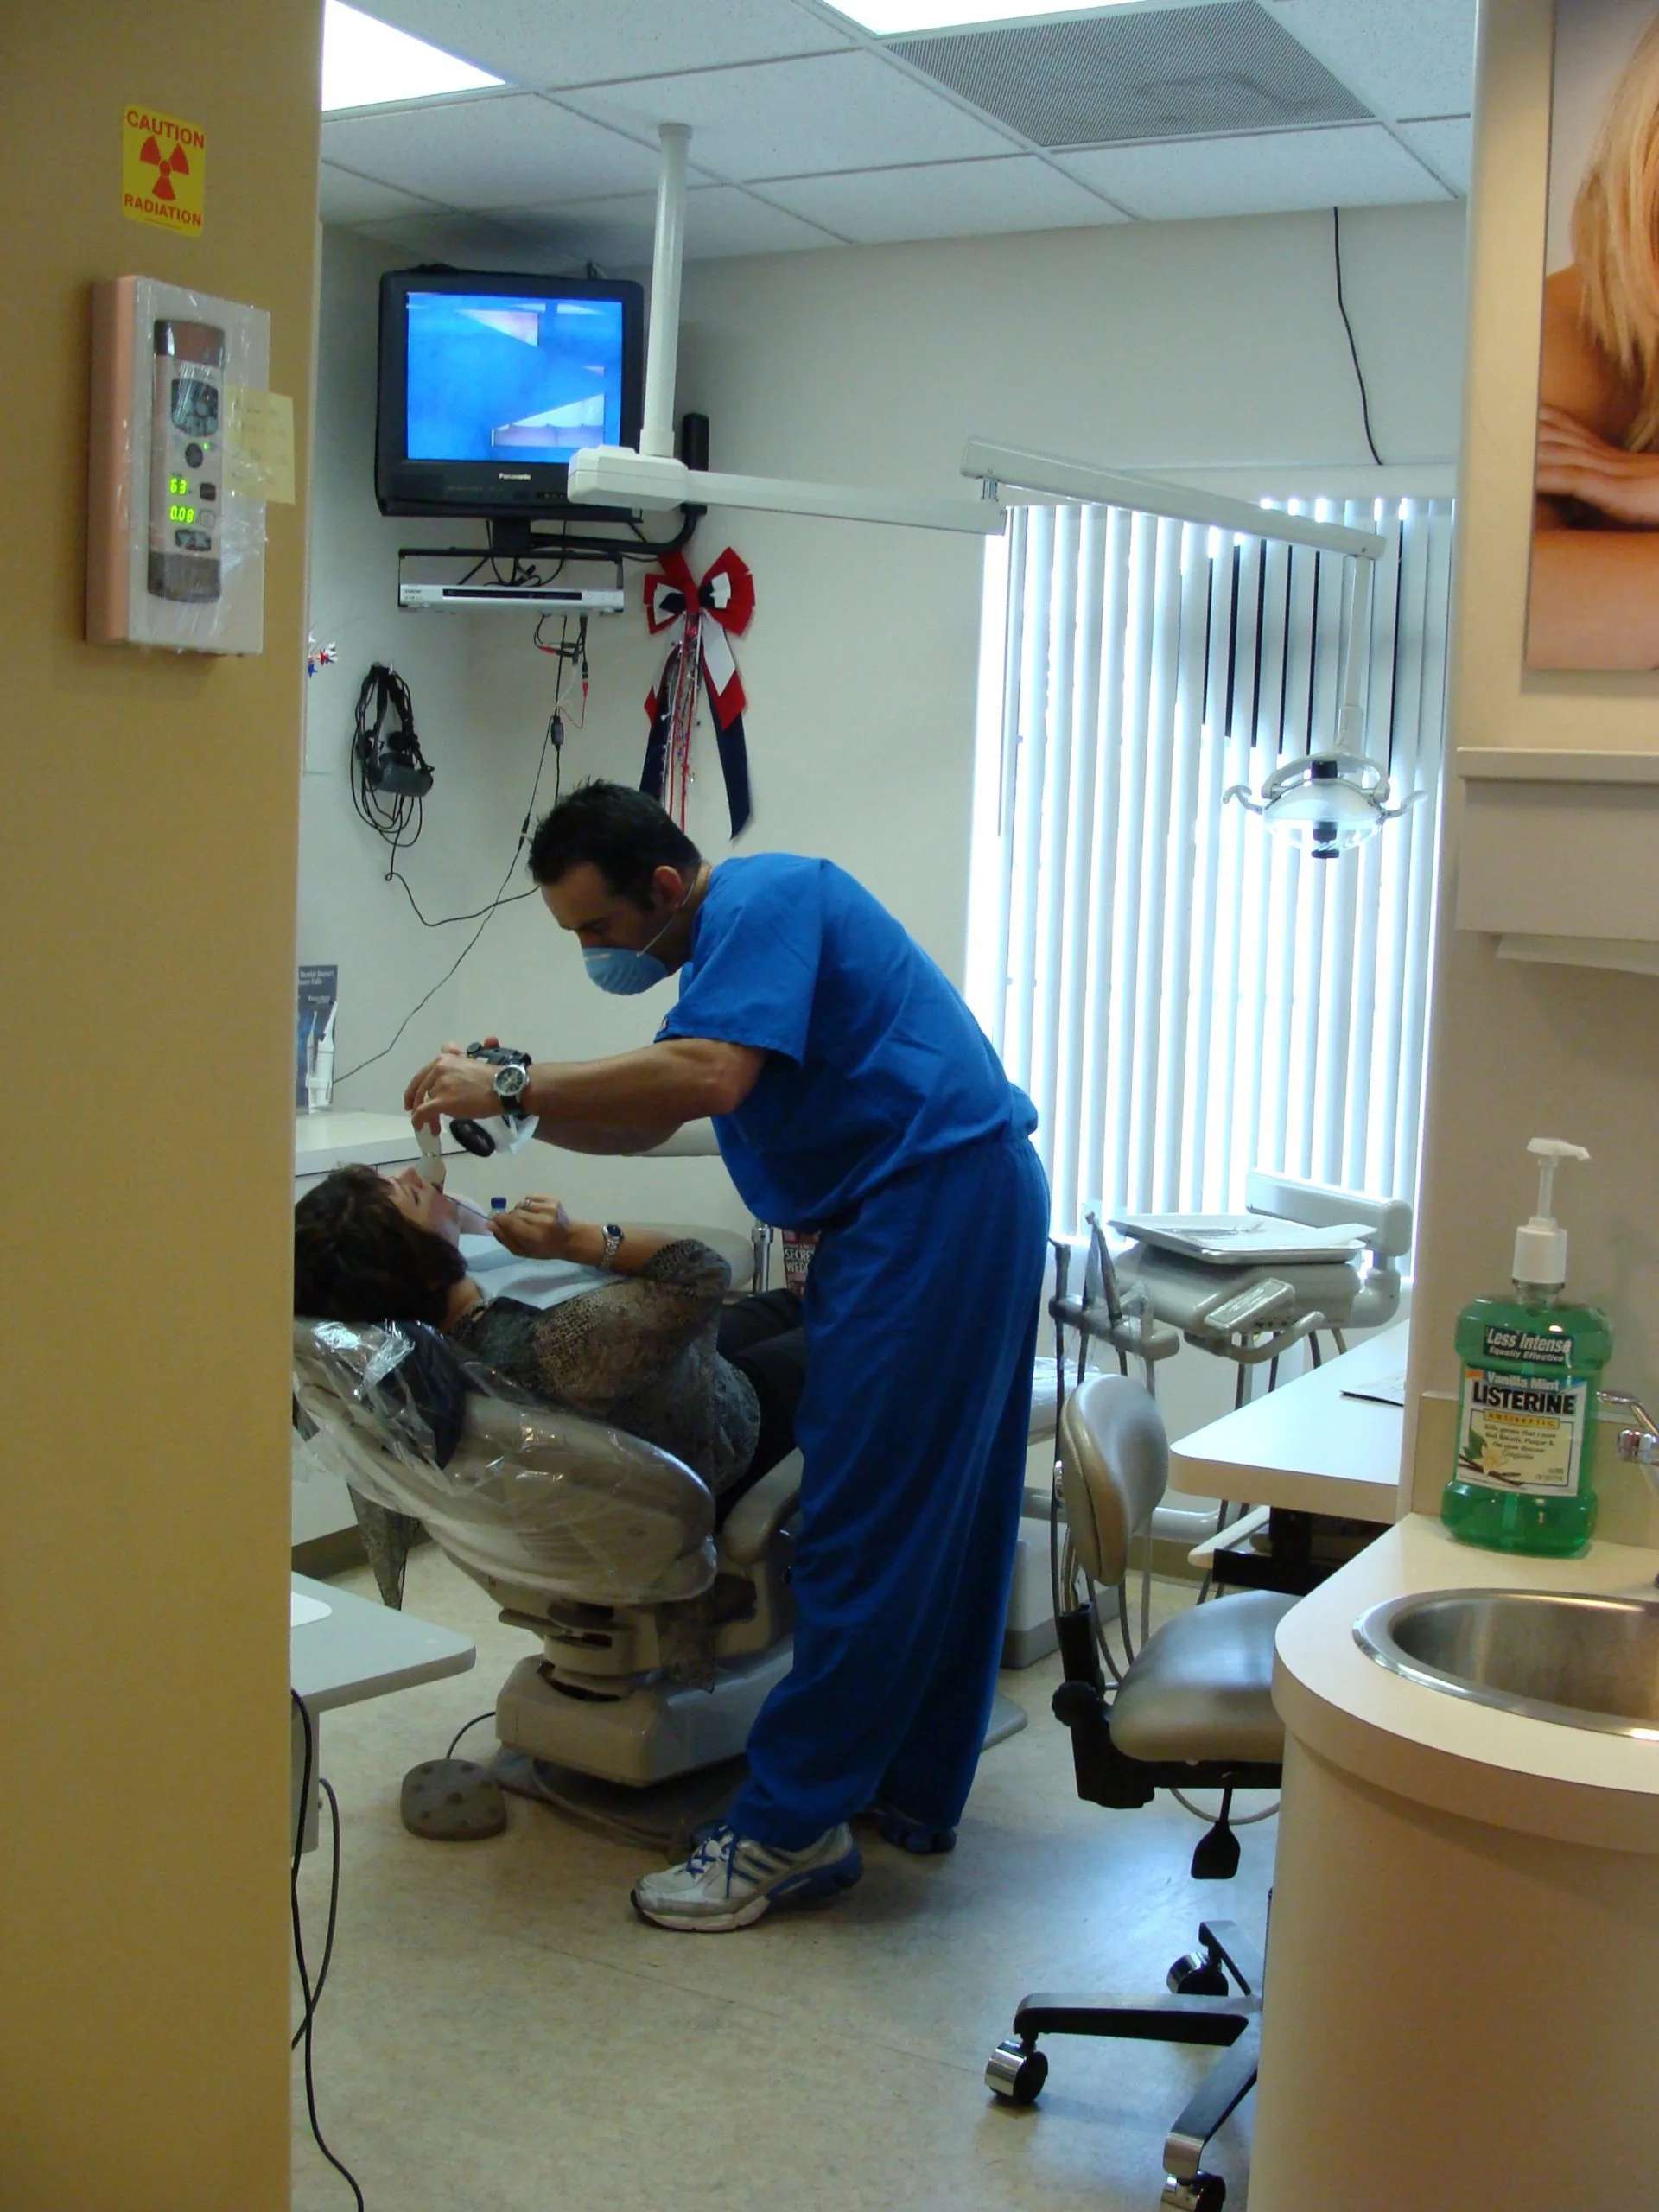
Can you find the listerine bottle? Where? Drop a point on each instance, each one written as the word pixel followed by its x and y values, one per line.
pixel 1531 1364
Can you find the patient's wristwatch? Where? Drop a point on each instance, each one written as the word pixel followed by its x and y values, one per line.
pixel 614 1236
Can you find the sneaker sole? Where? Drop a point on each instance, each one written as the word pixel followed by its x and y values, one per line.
pixel 817 1887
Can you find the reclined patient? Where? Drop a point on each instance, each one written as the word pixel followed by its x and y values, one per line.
pixel 644 1342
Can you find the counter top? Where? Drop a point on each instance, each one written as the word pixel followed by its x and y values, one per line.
pixel 1309 1446
pixel 1577 1785
pixel 322 1141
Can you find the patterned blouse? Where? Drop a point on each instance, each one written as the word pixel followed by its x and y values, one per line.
pixel 640 1353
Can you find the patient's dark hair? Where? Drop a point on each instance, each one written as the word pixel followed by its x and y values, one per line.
pixel 356 1258
pixel 626 835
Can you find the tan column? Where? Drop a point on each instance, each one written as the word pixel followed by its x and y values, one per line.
pixel 148 820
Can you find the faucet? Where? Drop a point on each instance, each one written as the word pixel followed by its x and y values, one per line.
pixel 1639 1443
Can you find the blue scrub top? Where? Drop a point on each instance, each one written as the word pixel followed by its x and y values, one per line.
pixel 876 1063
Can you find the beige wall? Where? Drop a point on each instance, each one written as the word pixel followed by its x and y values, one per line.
pixel 148 828
pixel 1517 1053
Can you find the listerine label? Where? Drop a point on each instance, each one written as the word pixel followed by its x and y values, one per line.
pixel 1538 1350
pixel 1521 1433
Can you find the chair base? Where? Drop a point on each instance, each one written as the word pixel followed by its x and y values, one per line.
pixel 1203 2007
pixel 652 1734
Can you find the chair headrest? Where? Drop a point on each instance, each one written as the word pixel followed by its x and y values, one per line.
pixel 1113 1469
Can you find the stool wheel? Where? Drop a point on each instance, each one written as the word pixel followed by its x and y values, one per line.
pixel 1195 1974
pixel 1016 2073
pixel 1204 2193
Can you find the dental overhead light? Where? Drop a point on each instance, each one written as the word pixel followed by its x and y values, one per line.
pixel 891 17
pixel 367 63
pixel 1327 803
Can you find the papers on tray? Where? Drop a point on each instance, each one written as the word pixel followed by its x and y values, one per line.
pixel 1386 1391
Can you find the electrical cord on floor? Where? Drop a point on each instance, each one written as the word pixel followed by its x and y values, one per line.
pixel 1359 374
pixel 460 1733
pixel 307 2022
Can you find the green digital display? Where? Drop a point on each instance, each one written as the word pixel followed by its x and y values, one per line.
pixel 178 486
pixel 179 513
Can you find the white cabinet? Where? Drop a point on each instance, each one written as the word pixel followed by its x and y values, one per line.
pixel 1557 855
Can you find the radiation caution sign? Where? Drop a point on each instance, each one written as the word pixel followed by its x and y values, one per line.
pixel 164 170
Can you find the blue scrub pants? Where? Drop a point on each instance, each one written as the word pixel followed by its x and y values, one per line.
pixel 921 1317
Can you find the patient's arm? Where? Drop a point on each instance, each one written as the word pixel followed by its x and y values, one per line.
pixel 592 1350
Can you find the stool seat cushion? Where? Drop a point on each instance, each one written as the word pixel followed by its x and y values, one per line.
pixel 1202 1687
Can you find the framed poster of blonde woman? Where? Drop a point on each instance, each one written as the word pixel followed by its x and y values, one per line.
pixel 1594 599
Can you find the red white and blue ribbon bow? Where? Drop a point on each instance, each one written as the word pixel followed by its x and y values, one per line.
pixel 709 615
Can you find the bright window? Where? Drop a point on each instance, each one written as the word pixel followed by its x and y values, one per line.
pixel 1185 996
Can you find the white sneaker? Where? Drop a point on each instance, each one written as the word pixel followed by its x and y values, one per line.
pixel 730 1880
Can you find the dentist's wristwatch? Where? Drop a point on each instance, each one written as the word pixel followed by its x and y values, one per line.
pixel 511 1083
pixel 614 1236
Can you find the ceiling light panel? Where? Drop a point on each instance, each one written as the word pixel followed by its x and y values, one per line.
pixel 795 118
pixel 551 44
pixel 1112 79
pixel 367 63
pixel 505 151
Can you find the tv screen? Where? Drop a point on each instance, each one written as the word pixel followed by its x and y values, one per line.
pixel 488 384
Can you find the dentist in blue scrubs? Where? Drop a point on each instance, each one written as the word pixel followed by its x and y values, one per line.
pixel 852 1092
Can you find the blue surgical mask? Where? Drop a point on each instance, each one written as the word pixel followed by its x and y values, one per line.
pixel 620 970
pixel 623 971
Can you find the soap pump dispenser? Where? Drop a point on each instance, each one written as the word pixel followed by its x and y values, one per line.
pixel 1531 1364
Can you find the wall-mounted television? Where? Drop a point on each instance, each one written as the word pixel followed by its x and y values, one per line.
pixel 489 383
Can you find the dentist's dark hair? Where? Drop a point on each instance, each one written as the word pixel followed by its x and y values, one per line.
pixel 626 836
pixel 356 1258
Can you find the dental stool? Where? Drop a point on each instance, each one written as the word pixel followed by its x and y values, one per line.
pixel 660 1639
pixel 1194 1711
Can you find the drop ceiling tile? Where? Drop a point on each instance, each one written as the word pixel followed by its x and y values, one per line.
pixel 720 220
pixel 1403 57
pixel 1447 143
pixel 471 241
pixel 343 198
pixel 942 200
pixel 546 44
pixel 798 119
pixel 1355 167
pixel 501 150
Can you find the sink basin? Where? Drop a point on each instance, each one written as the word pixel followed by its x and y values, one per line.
pixel 1584 1661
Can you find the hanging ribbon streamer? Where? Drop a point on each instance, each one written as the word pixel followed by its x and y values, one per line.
pixel 709 615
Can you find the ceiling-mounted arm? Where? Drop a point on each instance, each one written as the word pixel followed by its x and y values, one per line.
pixel 652 479
pixel 1004 466
pixel 668 255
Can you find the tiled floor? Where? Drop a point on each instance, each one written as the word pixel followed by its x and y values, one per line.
pixel 500 2032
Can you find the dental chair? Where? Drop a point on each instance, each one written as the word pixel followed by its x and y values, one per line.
pixel 660 1639
pixel 1193 1711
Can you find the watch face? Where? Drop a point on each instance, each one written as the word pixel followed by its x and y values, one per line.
pixel 509 1083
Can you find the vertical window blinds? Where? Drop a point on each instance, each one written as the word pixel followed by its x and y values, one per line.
pixel 1186 996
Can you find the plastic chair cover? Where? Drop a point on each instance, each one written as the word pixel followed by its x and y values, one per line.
pixel 532 1495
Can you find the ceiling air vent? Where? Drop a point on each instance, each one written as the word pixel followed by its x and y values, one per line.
pixel 1111 80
